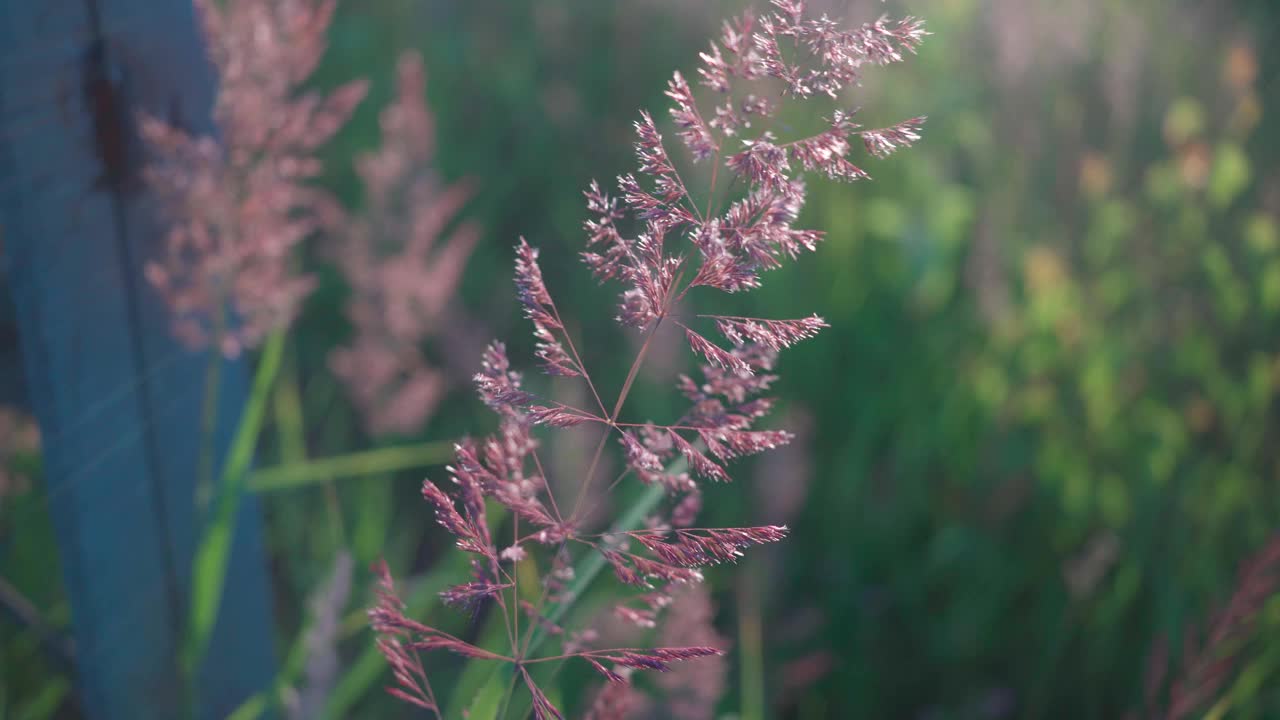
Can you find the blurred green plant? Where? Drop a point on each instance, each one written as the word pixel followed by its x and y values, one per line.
pixel 1057 366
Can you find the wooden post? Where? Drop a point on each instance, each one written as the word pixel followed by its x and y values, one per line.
pixel 118 400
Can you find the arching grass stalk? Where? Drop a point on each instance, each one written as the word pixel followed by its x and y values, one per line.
pixel 668 249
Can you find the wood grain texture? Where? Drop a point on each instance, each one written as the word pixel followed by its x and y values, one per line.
pixel 118 400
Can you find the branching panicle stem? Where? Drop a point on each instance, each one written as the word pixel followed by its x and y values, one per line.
pixel 651 548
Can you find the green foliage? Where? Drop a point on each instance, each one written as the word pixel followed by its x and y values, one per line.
pixel 209 567
pixel 1046 414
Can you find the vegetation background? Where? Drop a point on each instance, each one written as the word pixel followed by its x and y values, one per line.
pixel 1041 433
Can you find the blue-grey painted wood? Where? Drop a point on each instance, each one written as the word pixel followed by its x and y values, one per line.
pixel 118 400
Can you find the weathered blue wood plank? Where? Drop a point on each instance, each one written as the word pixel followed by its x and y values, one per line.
pixel 118 400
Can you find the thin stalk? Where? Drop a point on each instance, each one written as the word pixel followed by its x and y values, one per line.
pixel 622 396
pixel 542 601
pixel 576 358
pixel 591 565
pixel 594 562
pixel 506 621
pixel 515 590
pixel 644 349
pixel 506 697
pixel 635 370
pixel 550 495
pixel 596 506
pixel 591 471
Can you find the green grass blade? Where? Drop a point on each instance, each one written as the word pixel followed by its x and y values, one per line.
pixel 212 555
pixel 478 675
pixel 488 701
pixel 289 422
pixel 250 709
pixel 46 703
pixel 590 566
pixel 370 462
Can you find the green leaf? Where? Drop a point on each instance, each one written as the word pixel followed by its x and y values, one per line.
pixel 1270 286
pixel 359 464
pixel 1261 234
pixel 488 701
pixel 47 700
pixel 250 709
pixel 1230 175
pixel 210 564
pixel 1184 120
pixel 477 673
pixel 590 566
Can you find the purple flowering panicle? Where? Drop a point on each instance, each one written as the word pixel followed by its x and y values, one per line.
pixel 662 243
pixel 403 265
pixel 241 203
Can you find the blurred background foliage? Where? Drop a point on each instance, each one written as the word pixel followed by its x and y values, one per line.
pixel 1038 436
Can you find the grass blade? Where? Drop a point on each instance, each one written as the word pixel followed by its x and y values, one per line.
pixel 212 555
pixel 489 700
pixel 370 462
